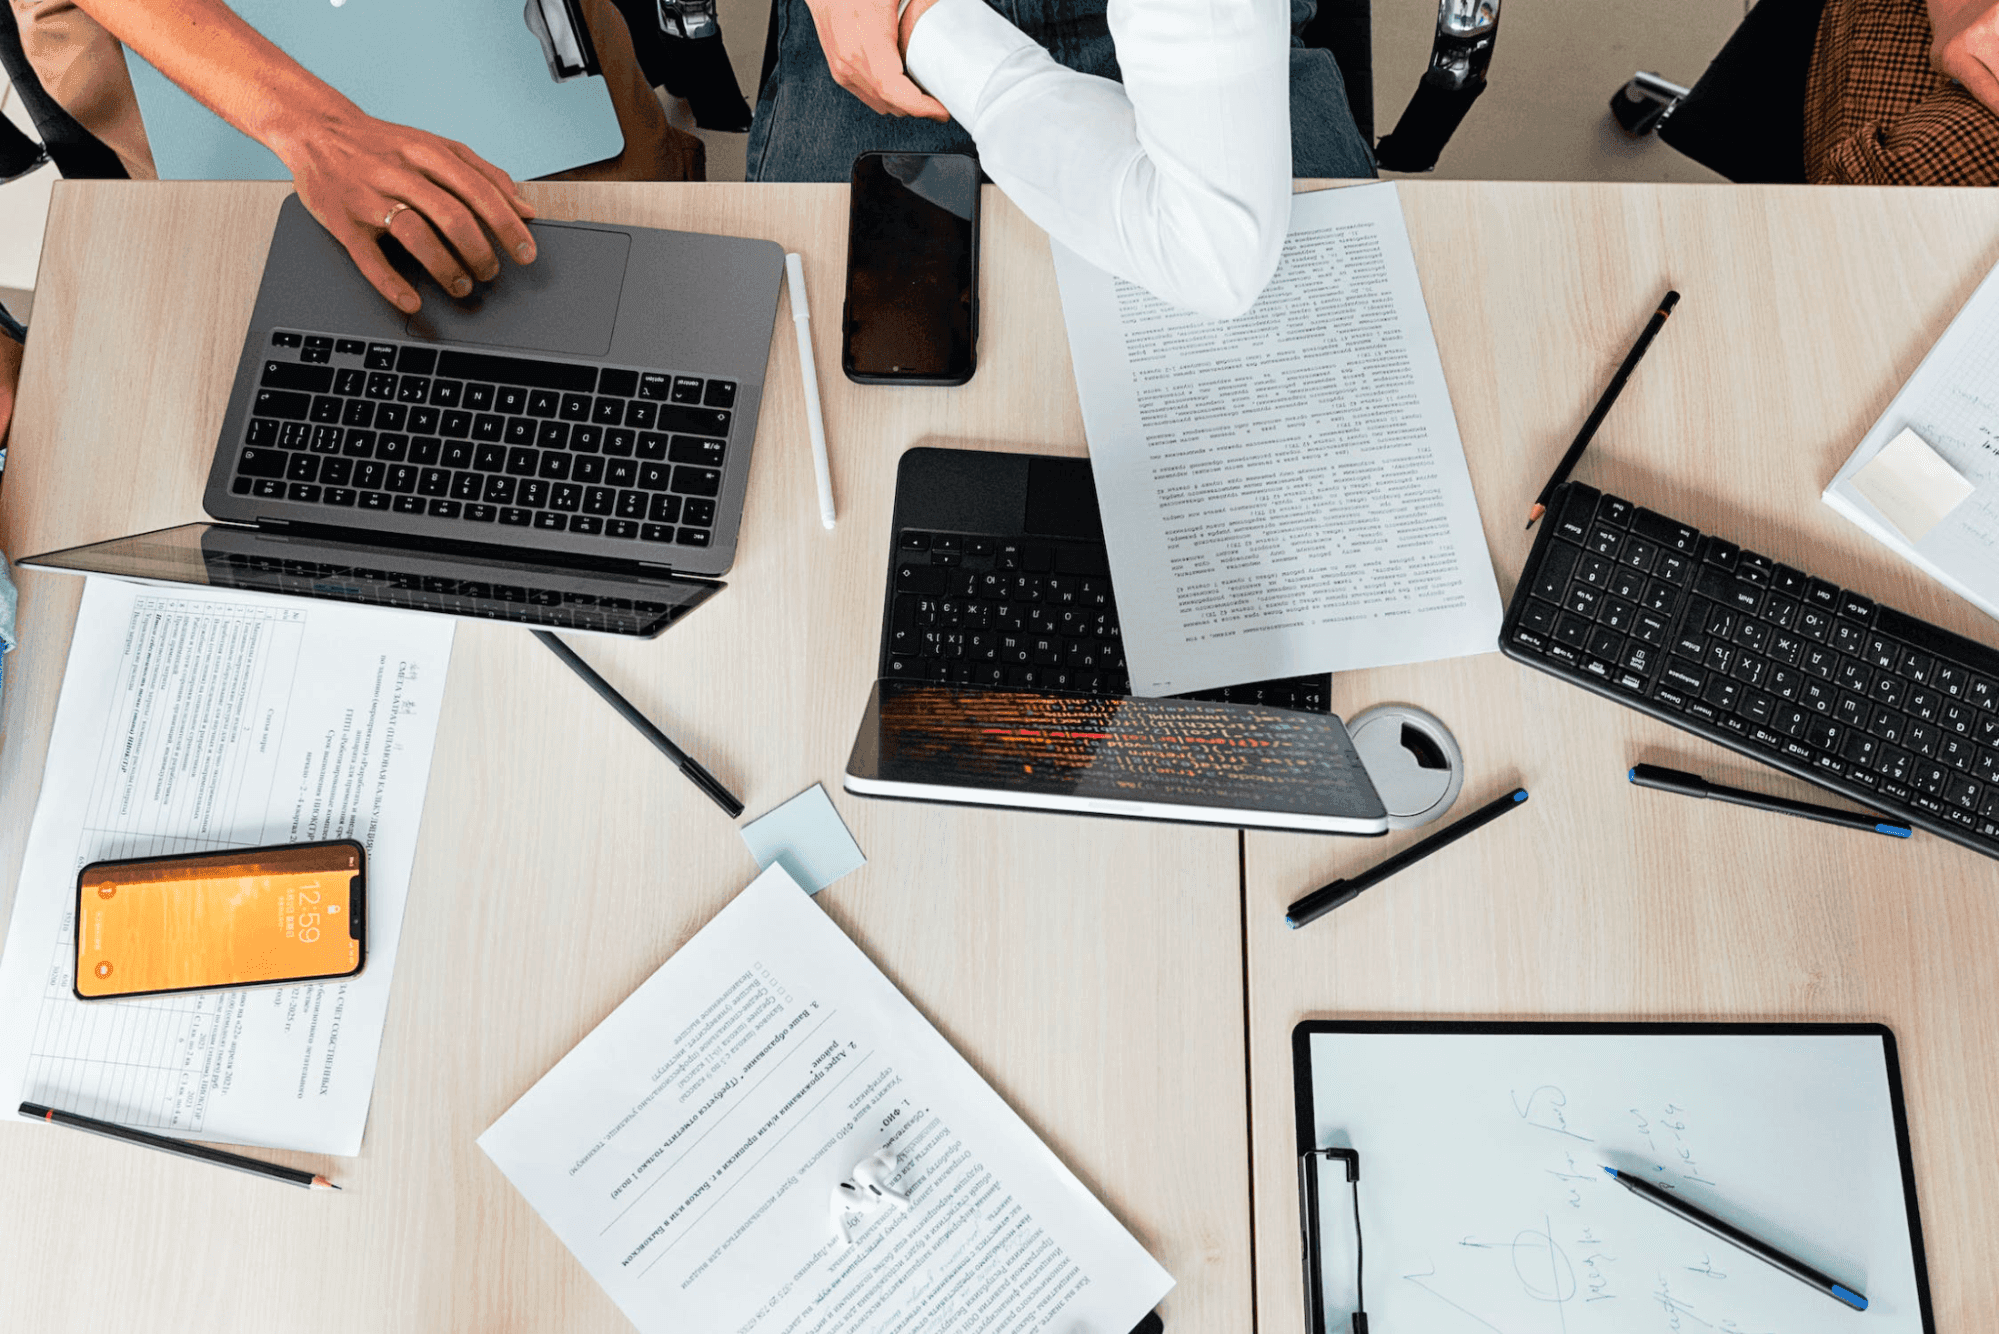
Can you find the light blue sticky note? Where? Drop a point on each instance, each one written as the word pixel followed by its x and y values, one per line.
pixel 806 835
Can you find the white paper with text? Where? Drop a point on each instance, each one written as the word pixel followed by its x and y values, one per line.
pixel 687 1149
pixel 190 721
pixel 1285 492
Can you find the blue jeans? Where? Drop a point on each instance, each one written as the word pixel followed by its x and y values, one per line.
pixel 808 128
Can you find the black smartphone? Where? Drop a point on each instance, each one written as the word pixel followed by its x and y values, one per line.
pixel 912 309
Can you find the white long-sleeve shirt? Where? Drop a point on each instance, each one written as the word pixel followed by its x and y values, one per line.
pixel 1178 180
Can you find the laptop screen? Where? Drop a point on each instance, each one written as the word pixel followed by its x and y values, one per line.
pixel 1110 755
pixel 478 587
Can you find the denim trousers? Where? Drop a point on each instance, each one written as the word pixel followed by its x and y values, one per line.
pixel 808 128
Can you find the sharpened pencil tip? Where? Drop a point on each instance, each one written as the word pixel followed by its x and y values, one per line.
pixel 1534 515
pixel 321 1184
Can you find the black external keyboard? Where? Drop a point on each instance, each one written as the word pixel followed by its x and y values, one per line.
pixel 1032 613
pixel 554 446
pixel 1888 711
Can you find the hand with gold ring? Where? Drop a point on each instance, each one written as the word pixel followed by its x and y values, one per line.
pixel 358 175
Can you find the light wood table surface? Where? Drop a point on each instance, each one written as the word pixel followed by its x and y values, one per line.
pixel 1092 971
pixel 1095 972
pixel 1803 312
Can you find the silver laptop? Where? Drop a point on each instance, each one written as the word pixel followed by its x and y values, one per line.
pixel 517 84
pixel 569 446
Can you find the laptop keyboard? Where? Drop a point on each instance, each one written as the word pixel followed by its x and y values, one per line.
pixel 1032 613
pixel 1893 713
pixel 558 447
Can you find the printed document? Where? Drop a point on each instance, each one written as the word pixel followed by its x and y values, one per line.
pixel 1285 492
pixel 192 721
pixel 688 1152
pixel 1925 480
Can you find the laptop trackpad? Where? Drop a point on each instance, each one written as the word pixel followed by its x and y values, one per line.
pixel 566 301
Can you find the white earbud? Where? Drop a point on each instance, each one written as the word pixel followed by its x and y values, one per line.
pixel 848 1199
pixel 872 1174
pixel 865 1192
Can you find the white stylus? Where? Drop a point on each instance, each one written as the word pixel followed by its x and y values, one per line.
pixel 801 323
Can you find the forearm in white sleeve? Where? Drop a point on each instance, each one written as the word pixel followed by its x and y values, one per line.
pixel 1179 179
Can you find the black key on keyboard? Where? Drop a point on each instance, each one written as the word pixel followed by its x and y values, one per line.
pixel 262 463
pixel 531 372
pixel 283 404
pixel 292 375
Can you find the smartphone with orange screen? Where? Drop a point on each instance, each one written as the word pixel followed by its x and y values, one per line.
pixel 289 913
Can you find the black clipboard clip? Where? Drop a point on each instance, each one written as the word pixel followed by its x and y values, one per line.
pixel 1308 1195
pixel 565 38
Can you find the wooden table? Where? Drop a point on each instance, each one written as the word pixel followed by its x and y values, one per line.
pixel 1092 971
pixel 1096 973
pixel 1803 313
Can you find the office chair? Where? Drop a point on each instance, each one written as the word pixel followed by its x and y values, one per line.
pixel 1745 118
pixel 1460 54
pixel 75 151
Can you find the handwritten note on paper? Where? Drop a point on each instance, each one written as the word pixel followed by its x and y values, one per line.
pixel 1485 1207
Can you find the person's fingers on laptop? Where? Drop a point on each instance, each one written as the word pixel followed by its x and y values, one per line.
pixel 508 224
pixel 361 246
pixel 479 193
pixel 471 250
pixel 420 239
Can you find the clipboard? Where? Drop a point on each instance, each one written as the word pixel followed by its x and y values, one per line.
pixel 1422 1144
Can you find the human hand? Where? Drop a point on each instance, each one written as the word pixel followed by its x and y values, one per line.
pixel 862 50
pixel 1966 45
pixel 351 171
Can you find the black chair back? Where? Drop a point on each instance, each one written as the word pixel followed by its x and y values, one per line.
pixel 1746 116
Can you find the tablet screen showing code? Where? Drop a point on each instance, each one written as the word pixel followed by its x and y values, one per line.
pixel 1169 752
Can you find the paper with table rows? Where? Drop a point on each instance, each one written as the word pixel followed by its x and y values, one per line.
pixel 1484 1205
pixel 192 721
pixel 1952 405
pixel 687 1149
pixel 1285 492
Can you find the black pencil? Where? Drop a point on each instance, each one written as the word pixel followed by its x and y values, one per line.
pixel 298 1177
pixel 1602 409
pixel 1327 898
pixel 1728 1232
pixel 689 766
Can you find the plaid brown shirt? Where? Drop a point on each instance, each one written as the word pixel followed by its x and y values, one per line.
pixel 1877 113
